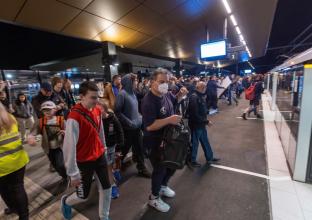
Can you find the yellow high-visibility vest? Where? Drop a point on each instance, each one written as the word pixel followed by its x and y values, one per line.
pixel 12 155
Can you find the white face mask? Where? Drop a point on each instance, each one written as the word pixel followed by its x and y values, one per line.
pixel 163 88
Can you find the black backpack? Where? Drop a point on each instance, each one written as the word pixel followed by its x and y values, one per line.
pixel 175 146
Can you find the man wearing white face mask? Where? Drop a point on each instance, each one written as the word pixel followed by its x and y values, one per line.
pixel 158 112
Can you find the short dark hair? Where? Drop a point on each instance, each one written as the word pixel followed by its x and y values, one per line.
pixel 87 86
pixel 115 77
pixel 157 72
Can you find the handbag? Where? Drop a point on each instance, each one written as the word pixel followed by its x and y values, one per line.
pixel 175 146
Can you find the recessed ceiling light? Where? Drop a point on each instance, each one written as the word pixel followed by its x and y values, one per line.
pixel 238 30
pixel 233 20
pixel 227 6
pixel 241 37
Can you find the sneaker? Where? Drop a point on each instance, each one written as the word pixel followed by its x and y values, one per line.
pixel 195 164
pixel 145 173
pixel 66 209
pixel 212 112
pixel 115 192
pixel 244 116
pixel 117 176
pixel 166 191
pixel 214 160
pixel 158 204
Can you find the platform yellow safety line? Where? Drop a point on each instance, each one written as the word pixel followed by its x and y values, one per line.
pixel 308 66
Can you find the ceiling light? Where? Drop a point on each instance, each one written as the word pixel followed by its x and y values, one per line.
pixel 238 30
pixel 9 75
pixel 233 20
pixel 111 31
pixel 227 6
pixel 241 37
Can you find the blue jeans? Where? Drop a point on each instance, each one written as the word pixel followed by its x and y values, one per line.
pixel 110 155
pixel 199 135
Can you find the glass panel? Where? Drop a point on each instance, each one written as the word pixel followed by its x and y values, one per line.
pixel 288 101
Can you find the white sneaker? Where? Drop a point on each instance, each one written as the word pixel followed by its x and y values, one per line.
pixel 158 204
pixel 166 191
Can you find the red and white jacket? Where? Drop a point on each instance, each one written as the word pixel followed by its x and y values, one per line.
pixel 82 141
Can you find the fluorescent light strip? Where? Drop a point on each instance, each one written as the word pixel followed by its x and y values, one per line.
pixel 233 20
pixel 227 6
pixel 229 11
pixel 238 30
pixel 241 37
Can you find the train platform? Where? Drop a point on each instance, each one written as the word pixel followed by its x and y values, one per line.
pixel 251 181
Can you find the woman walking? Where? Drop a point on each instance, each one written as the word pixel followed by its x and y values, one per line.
pixel 13 160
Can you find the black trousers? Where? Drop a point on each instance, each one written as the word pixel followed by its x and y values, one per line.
pixel 134 139
pixel 57 160
pixel 212 101
pixel 160 175
pixel 87 169
pixel 13 193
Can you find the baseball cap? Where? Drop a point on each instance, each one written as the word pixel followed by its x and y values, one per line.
pixel 46 86
pixel 48 105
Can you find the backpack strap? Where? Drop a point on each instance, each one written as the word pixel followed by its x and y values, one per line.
pixel 42 123
pixel 89 119
pixel 60 121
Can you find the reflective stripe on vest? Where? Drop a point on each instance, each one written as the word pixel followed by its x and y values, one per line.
pixel 7 141
pixel 11 151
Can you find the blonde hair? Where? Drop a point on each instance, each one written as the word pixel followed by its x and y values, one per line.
pixel 6 120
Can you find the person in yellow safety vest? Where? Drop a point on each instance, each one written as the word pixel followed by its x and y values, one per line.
pixel 13 160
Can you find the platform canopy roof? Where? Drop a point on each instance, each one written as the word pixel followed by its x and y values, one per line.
pixel 171 28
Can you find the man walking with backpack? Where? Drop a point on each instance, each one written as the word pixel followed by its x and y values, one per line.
pixel 158 112
pixel 253 93
pixel 84 152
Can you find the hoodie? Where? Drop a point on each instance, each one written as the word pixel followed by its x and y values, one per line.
pixel 126 106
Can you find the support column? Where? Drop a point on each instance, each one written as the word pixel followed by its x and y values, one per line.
pixel 109 55
pixel 268 82
pixel 304 132
pixel 274 90
pixel 177 67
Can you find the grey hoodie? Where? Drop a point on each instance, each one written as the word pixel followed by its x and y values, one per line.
pixel 126 106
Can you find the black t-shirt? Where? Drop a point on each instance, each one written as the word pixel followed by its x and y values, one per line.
pixel 153 108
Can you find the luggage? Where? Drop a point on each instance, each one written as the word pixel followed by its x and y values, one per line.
pixel 175 146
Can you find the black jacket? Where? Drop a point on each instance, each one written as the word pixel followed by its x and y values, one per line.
pixel 114 134
pixel 258 90
pixel 37 101
pixel 212 87
pixel 197 111
pixel 57 98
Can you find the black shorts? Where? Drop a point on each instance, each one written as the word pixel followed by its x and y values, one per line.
pixel 87 170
